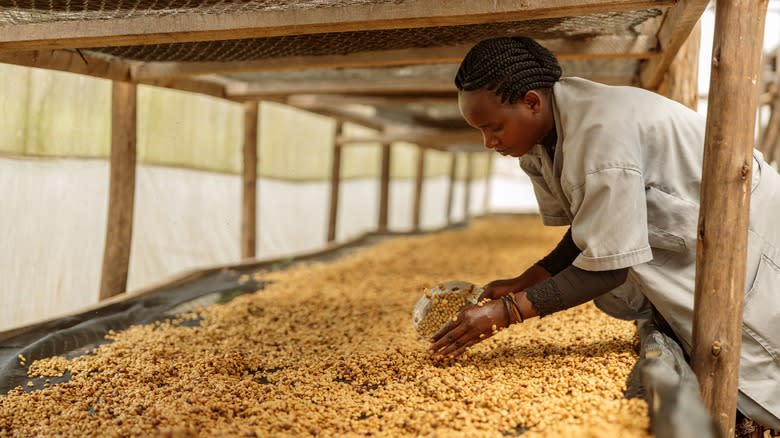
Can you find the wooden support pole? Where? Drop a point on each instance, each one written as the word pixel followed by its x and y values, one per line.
pixel 467 186
pixel 488 183
pixel 451 191
pixel 121 191
pixel 770 140
pixel 681 81
pixel 384 188
pixel 418 187
pixel 249 187
pixel 725 202
pixel 335 183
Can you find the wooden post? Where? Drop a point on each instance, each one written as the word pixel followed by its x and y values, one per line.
pixel 770 140
pixel 488 184
pixel 418 186
pixel 451 191
pixel 681 81
pixel 249 187
pixel 467 186
pixel 121 191
pixel 725 202
pixel 335 183
pixel 384 187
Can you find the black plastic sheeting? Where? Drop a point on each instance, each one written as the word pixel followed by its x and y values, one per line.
pixel 76 335
pixel 665 380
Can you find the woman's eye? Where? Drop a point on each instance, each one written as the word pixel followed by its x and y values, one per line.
pixel 496 129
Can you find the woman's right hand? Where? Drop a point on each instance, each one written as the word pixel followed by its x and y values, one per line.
pixel 498 288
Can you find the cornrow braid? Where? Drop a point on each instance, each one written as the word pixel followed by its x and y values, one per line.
pixel 510 66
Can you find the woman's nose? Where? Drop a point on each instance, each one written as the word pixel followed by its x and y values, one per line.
pixel 490 141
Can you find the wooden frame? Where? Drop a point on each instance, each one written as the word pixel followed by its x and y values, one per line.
pixel 295 21
pixel 599 47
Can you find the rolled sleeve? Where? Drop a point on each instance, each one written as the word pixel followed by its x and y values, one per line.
pixel 610 220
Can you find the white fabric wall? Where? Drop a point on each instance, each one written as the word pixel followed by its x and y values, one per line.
pixel 54 219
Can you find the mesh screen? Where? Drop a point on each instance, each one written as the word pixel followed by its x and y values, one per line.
pixel 344 43
pixel 36 11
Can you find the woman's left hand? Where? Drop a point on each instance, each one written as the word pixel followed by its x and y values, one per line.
pixel 472 325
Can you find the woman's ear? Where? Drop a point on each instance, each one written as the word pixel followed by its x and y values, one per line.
pixel 533 100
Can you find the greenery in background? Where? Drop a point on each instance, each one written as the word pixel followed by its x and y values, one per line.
pixel 56 114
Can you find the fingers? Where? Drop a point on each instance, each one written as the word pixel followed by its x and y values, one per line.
pixel 453 333
pixel 459 342
pixel 456 349
pixel 463 348
pixel 444 330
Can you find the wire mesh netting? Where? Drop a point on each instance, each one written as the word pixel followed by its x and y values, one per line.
pixel 345 43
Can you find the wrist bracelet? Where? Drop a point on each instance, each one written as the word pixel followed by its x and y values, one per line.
pixel 507 311
pixel 516 306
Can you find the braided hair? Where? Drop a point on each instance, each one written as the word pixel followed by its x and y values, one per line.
pixel 511 66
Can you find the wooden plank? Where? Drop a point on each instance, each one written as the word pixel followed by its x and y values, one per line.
pixel 336 100
pixel 262 89
pixel 467 184
pixel 121 191
pixel 105 68
pixel 384 187
pixel 679 22
pixel 600 47
pixel 187 27
pixel 249 186
pixel 451 189
pixel 681 82
pixel 418 188
pixel 433 138
pixel 71 61
pixel 335 183
pixel 210 86
pixel 725 205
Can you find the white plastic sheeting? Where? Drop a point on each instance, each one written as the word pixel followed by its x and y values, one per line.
pixel 53 216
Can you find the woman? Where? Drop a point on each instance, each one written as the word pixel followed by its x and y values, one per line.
pixel 621 166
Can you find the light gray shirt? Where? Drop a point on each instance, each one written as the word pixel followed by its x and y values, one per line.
pixel 626 176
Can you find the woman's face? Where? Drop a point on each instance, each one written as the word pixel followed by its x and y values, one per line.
pixel 509 129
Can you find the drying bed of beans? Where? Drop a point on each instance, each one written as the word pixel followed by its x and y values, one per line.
pixel 328 349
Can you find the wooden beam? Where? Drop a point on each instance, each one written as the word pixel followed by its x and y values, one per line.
pixel 725 205
pixel 186 27
pixel 262 89
pixel 249 186
pixel 335 183
pixel 336 100
pixel 71 61
pixel 433 138
pixel 84 63
pixel 418 188
pixel 121 191
pixel 677 25
pixel 681 81
pixel 599 47
pixel 384 187
pixel 451 189
pixel 210 86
